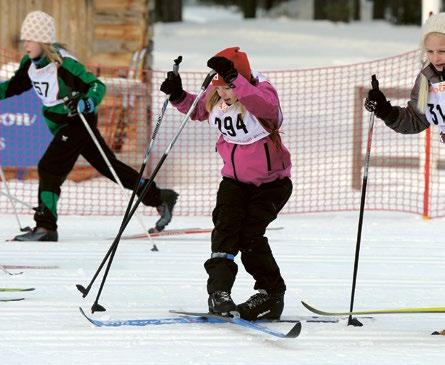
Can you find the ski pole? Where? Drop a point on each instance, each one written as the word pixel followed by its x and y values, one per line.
pixel 167 98
pixel 108 163
pixel 96 306
pixel 354 321
pixel 18 200
pixel 86 290
pixel 11 200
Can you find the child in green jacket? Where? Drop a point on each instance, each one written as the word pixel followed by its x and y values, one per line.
pixel 65 86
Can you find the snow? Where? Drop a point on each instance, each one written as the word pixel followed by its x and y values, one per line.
pixel 401 259
pixel 276 43
pixel 400 265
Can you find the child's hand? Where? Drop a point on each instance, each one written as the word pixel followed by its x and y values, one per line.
pixel 376 102
pixel 224 67
pixel 172 86
pixel 85 105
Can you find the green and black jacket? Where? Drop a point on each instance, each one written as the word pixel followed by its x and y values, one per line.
pixel 71 76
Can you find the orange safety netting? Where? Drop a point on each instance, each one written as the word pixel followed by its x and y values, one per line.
pixel 325 128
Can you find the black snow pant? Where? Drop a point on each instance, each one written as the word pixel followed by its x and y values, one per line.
pixel 241 216
pixel 62 153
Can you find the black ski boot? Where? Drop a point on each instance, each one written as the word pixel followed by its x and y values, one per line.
pixel 165 210
pixel 38 234
pixel 220 302
pixel 262 306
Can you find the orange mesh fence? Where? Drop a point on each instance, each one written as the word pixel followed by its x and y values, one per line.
pixel 325 128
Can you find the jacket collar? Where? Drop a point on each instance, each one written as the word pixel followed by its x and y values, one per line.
pixel 432 74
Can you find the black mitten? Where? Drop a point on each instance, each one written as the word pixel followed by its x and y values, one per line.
pixel 376 102
pixel 172 86
pixel 224 67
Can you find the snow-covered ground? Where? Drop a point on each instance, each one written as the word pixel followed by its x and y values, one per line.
pixel 401 261
pixel 401 265
pixel 276 43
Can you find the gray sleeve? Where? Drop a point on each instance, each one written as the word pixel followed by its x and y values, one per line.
pixel 409 119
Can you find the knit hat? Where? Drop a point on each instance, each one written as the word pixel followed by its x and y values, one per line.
pixel 38 27
pixel 434 24
pixel 240 61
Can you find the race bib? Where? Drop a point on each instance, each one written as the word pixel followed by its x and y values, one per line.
pixel 435 112
pixel 235 124
pixel 45 83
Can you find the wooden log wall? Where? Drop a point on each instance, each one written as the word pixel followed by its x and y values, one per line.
pixel 104 32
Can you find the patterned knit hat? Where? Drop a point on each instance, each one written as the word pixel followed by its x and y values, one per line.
pixel 240 61
pixel 434 24
pixel 38 27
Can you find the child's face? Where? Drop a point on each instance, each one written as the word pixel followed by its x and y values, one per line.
pixel 33 49
pixel 435 50
pixel 226 93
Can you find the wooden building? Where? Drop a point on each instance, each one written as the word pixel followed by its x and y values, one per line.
pixel 100 32
pixel 113 38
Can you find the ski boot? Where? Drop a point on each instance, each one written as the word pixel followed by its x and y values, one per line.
pixel 220 302
pixel 38 234
pixel 165 210
pixel 262 306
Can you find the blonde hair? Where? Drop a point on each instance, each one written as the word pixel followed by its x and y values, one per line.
pixel 213 99
pixel 423 92
pixel 50 51
pixel 423 82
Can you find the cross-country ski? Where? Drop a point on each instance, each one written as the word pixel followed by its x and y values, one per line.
pixel 5 300
pixel 292 333
pixel 418 310
pixel 16 289
pixel 179 232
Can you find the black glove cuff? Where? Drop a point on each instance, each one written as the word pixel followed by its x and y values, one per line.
pixel 392 116
pixel 177 96
pixel 383 110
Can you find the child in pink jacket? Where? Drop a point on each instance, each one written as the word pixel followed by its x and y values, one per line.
pixel 244 108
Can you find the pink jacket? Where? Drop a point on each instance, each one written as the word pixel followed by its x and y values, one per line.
pixel 259 162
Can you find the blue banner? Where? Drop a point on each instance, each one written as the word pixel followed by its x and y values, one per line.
pixel 24 135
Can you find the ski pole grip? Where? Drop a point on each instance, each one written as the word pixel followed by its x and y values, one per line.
pixel 176 65
pixel 208 79
pixel 374 82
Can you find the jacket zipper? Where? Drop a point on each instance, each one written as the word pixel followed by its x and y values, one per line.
pixel 266 148
pixel 232 157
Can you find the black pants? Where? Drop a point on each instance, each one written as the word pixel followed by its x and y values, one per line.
pixel 241 216
pixel 63 152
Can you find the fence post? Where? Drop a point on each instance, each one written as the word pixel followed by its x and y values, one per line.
pixel 427 175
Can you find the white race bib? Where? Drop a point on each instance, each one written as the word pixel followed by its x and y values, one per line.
pixel 435 111
pixel 235 126
pixel 45 83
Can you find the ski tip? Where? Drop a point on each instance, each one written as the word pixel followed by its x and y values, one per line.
pixel 323 313
pixel 12 300
pixel 295 331
pixel 92 321
pixel 84 314
pixel 312 309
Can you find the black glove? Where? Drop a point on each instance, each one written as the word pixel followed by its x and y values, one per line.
pixel 376 102
pixel 172 86
pixel 224 68
pixel 86 105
